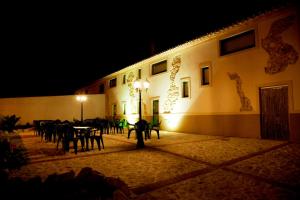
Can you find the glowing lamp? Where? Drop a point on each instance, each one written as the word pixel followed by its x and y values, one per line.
pixel 81 99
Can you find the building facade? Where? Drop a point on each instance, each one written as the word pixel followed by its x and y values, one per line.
pixel 243 80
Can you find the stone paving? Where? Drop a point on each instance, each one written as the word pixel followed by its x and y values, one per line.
pixel 180 166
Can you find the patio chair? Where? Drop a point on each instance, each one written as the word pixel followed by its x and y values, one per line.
pixel 121 125
pixel 155 126
pixel 97 133
pixel 130 128
pixel 142 125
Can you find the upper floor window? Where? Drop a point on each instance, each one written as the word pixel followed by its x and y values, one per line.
pixel 124 79
pixel 140 74
pixel 159 67
pixel 101 89
pixel 238 42
pixel 113 82
pixel 185 89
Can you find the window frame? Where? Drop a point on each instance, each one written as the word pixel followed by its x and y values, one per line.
pixel 188 81
pixel 234 36
pixel 109 82
pixel 139 75
pixel 124 80
pixel 124 107
pixel 205 65
pixel 161 61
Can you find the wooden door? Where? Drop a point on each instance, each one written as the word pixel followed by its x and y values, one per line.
pixel 274 112
pixel 155 108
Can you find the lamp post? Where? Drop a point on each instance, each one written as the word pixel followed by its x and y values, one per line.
pixel 140 85
pixel 81 99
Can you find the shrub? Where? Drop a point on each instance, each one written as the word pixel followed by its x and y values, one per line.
pixel 8 123
pixel 11 156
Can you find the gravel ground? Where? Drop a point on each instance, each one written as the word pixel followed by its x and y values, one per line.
pixel 179 166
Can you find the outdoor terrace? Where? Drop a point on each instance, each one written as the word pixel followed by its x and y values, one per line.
pixel 179 165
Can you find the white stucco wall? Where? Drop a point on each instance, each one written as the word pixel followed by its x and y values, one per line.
pixel 221 96
pixel 218 108
pixel 53 107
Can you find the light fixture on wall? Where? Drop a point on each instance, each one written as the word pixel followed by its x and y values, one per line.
pixel 81 99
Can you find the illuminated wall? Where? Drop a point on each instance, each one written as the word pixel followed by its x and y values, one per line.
pixel 229 104
pixel 53 107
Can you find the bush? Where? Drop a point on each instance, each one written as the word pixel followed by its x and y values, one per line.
pixel 8 123
pixel 88 184
pixel 11 156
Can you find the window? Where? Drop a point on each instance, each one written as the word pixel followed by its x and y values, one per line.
pixel 124 108
pixel 124 79
pixel 205 75
pixel 238 42
pixel 155 110
pixel 101 89
pixel 140 74
pixel 114 110
pixel 159 67
pixel 113 82
pixel 185 87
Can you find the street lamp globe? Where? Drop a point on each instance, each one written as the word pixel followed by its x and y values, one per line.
pixel 137 84
pixel 146 84
pixel 81 99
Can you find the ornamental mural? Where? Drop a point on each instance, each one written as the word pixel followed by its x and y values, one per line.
pixel 245 101
pixel 130 81
pixel 173 91
pixel 281 53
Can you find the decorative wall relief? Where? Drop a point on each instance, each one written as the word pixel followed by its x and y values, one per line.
pixel 281 54
pixel 245 101
pixel 173 91
pixel 130 81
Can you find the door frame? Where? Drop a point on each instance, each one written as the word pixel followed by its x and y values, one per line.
pixel 153 99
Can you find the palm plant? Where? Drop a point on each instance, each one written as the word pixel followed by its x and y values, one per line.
pixel 8 123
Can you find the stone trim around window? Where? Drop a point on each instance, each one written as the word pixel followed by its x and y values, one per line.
pixel 185 87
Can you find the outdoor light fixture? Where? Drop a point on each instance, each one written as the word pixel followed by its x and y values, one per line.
pixel 140 85
pixel 81 99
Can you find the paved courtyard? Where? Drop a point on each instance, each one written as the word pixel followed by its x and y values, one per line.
pixel 180 165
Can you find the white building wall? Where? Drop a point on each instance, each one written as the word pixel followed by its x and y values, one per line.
pixel 216 109
pixel 53 107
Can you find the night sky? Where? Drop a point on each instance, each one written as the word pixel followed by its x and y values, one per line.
pixel 55 49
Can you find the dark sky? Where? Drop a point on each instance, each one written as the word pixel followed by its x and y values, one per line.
pixel 55 49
